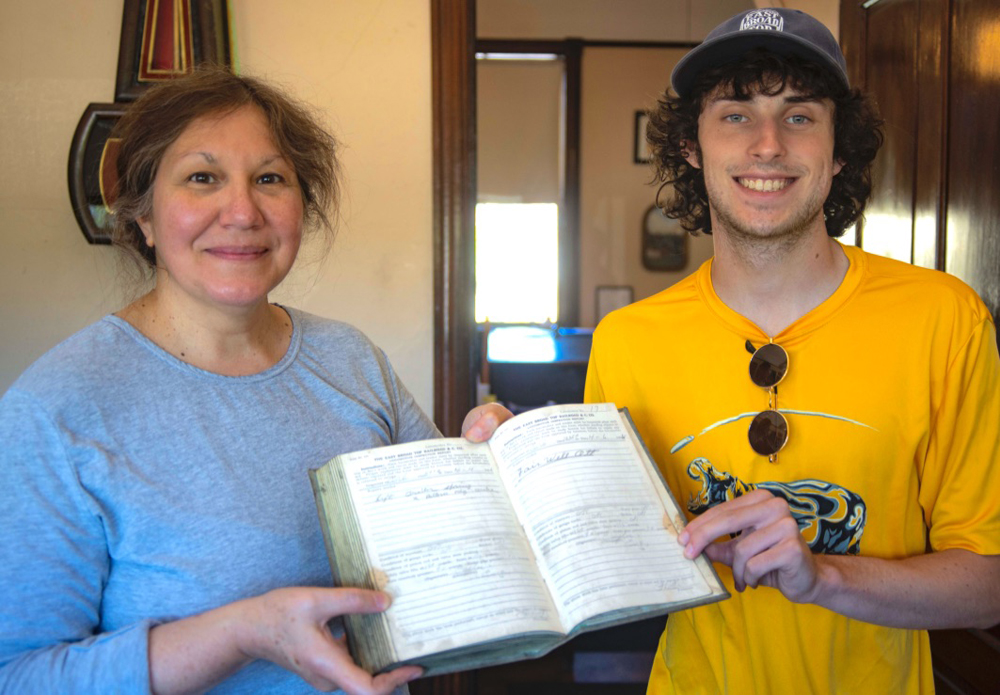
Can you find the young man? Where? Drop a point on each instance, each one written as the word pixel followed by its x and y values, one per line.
pixel 853 505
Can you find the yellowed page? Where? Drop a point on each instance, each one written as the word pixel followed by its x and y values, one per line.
pixel 592 511
pixel 446 545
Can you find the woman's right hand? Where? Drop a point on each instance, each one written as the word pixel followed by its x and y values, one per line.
pixel 290 629
pixel 284 626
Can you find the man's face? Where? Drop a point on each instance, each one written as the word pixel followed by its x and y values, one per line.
pixel 768 163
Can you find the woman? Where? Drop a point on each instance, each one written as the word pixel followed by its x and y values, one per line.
pixel 154 464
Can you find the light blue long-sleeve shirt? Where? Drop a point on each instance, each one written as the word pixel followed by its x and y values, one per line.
pixel 137 489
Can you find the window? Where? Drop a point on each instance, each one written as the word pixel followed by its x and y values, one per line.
pixel 519 137
pixel 517 261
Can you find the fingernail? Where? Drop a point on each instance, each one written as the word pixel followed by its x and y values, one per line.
pixel 383 600
pixel 689 551
pixel 683 538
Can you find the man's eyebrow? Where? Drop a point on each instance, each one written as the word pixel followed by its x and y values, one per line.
pixel 746 99
pixel 803 99
pixel 727 97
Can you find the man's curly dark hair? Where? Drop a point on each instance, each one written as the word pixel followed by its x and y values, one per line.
pixel 673 134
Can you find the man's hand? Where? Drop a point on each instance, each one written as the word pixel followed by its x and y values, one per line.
pixel 767 549
pixel 482 421
pixel 951 588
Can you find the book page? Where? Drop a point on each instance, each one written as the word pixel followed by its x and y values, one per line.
pixel 446 545
pixel 592 512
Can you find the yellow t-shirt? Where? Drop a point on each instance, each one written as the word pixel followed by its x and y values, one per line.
pixel 892 398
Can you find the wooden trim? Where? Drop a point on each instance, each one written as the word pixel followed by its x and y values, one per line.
pixel 520 46
pixel 453 88
pixel 944 142
pixel 454 143
pixel 569 222
pixel 853 40
pixel 686 45
pixel 931 141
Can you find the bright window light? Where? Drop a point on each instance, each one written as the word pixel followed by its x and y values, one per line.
pixel 517 262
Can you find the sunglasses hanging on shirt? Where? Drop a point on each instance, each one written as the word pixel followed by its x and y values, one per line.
pixel 768 431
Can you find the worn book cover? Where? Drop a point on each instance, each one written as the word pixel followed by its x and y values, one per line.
pixel 494 552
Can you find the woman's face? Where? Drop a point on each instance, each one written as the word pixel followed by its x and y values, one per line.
pixel 227 212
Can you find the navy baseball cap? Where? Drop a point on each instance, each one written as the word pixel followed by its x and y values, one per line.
pixel 781 31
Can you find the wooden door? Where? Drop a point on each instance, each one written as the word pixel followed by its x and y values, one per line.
pixel 972 219
pixel 934 69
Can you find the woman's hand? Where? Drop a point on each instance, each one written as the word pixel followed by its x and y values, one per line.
pixel 289 627
pixel 482 421
pixel 286 626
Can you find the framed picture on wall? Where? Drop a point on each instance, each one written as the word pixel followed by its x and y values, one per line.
pixel 164 39
pixel 664 242
pixel 641 153
pixel 611 297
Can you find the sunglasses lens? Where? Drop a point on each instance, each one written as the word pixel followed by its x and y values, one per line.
pixel 768 432
pixel 768 365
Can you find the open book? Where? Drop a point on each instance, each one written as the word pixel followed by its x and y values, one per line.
pixel 500 551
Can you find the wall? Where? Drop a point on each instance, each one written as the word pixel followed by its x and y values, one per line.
pixel 365 66
pixel 615 192
pixel 622 20
pixel 826 11
pixel 522 136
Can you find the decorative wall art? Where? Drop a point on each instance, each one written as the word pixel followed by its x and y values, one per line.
pixel 641 153
pixel 664 242
pixel 611 297
pixel 160 40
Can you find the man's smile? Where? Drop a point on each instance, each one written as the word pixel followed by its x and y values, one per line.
pixel 766 185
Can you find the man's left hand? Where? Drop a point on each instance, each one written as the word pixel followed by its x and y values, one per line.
pixel 767 548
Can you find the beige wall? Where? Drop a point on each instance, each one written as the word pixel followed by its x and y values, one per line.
pixel 365 65
pixel 620 20
pixel 627 20
pixel 826 11
pixel 519 123
pixel 615 192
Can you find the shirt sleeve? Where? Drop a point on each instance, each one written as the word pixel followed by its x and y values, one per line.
pixel 412 423
pixel 55 563
pixel 961 472
pixel 593 391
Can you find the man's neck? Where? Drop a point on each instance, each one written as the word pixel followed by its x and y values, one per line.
pixel 774 283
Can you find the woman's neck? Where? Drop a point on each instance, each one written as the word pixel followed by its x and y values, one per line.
pixel 235 342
